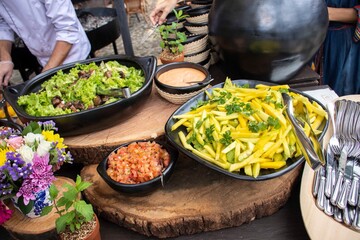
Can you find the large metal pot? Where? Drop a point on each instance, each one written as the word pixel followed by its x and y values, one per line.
pixel 90 120
pixel 268 40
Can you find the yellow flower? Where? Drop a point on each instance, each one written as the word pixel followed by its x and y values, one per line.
pixel 3 155
pixel 51 137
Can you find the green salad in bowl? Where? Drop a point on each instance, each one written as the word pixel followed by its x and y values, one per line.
pixel 81 88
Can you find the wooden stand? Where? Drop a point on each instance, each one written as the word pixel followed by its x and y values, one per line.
pixel 42 228
pixel 147 122
pixel 196 199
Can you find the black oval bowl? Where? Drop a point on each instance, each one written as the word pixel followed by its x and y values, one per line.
pixel 92 119
pixel 181 90
pixel 5 123
pixel 265 174
pixel 198 11
pixel 145 187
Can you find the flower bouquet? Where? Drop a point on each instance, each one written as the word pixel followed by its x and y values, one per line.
pixel 28 160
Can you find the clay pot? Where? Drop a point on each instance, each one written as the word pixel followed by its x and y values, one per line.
pixel 166 58
pixel 267 40
pixel 94 235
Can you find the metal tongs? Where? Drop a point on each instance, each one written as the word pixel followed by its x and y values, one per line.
pixel 115 92
pixel 310 146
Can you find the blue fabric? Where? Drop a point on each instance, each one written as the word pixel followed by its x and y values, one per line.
pixel 341 66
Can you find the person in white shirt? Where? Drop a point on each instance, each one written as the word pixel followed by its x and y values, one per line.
pixel 49 28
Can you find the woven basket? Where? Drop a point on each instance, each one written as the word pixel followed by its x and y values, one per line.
pixel 193 5
pixel 179 98
pixel 196 46
pixel 198 29
pixel 202 56
pixel 204 18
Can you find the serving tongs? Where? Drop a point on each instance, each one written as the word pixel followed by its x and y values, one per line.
pixel 114 92
pixel 310 146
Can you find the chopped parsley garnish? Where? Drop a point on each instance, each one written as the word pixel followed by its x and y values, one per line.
pixel 274 122
pixel 239 108
pixel 255 126
pixel 208 133
pixel 198 124
pixel 227 139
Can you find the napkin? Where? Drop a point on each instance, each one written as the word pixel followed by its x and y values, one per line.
pixel 323 95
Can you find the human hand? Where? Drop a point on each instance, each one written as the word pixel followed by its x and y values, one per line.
pixel 160 12
pixel 6 70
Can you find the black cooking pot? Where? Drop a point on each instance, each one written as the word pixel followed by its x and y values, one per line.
pixel 90 120
pixel 267 40
pixel 105 34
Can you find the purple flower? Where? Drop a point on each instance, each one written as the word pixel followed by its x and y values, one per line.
pixel 48 125
pixel 40 178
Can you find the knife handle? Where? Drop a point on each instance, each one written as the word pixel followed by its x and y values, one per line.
pixel 354 192
pixel 344 194
pixel 320 200
pixel 338 214
pixel 328 182
pixel 316 183
pixel 328 207
pixel 346 216
pixel 335 194
pixel 356 222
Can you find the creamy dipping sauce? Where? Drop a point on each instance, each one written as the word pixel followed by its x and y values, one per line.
pixel 182 77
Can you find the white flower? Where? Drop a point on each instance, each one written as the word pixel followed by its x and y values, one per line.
pixel 31 138
pixel 43 148
pixel 26 153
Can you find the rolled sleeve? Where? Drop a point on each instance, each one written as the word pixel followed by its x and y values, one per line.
pixel 356 36
pixel 64 19
pixel 5 31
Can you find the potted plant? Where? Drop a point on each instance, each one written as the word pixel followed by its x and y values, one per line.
pixel 29 157
pixel 77 219
pixel 172 39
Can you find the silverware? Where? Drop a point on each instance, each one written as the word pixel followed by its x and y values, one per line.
pixel 329 183
pixel 354 189
pixel 345 188
pixel 338 214
pixel 115 92
pixel 316 182
pixel 328 207
pixel 320 200
pixel 334 141
pixel 310 146
pixel 340 176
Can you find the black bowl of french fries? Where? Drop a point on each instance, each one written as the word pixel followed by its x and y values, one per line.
pixel 239 128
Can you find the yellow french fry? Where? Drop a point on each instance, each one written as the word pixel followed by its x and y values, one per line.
pixel 273 165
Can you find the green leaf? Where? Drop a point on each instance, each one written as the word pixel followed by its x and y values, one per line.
pixel 53 191
pixel 62 202
pixel 24 208
pixel 84 209
pixel 46 210
pixel 64 220
pixel 83 185
pixel 227 139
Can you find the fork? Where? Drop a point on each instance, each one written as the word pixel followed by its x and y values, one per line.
pixel 334 142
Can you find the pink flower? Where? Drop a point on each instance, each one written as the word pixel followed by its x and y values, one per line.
pixel 5 213
pixel 15 142
pixel 40 178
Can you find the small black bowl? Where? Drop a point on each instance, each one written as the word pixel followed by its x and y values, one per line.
pixel 144 188
pixel 181 90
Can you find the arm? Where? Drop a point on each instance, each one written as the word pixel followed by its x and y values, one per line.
pixel 58 55
pixel 62 15
pixel 162 9
pixel 345 15
pixel 6 64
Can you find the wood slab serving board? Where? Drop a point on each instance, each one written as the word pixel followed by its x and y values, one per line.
pixel 148 121
pixel 42 228
pixel 196 199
